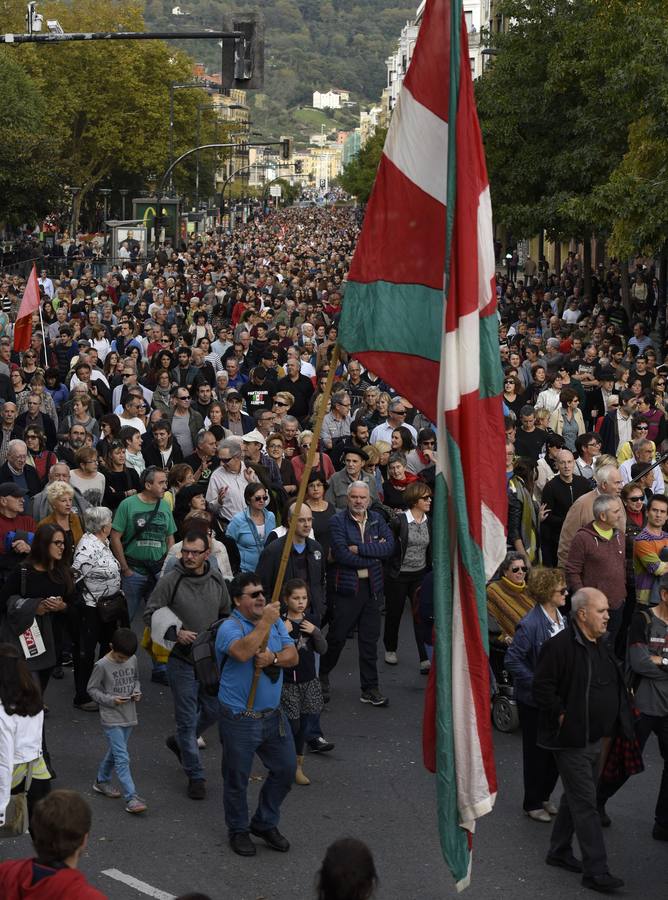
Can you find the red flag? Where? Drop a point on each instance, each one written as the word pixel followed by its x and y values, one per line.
pixel 29 305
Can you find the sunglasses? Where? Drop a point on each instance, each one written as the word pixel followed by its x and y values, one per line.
pixel 517 569
pixel 260 497
pixel 636 499
pixel 254 594
pixel 562 591
pixel 279 403
pixel 642 427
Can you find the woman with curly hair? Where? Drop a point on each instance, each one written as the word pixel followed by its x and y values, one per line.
pixel 508 599
pixel 548 589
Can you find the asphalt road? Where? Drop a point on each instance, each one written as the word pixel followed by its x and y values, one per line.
pixel 372 786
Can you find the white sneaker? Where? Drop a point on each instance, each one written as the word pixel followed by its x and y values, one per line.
pixel 425 667
pixel 539 815
pixel 201 743
pixel 391 658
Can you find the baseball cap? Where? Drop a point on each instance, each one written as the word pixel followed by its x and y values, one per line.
pixel 9 489
pixel 253 436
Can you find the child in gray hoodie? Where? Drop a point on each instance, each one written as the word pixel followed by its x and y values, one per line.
pixel 114 686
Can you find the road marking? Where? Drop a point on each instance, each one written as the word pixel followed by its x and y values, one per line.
pixel 138 885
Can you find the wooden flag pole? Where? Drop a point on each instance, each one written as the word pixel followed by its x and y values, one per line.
pixel 301 494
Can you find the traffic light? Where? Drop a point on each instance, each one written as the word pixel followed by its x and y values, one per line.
pixel 286 148
pixel 299 167
pixel 243 58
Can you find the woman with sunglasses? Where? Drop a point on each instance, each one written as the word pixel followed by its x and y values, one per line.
pixel 639 430
pixel 48 591
pixel 658 388
pixel 38 456
pixel 30 365
pixel 250 528
pixel 548 588
pixel 508 599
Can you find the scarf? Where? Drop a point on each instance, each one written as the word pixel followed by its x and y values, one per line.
pixel 402 483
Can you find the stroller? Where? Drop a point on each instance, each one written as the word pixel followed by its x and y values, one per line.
pixel 505 716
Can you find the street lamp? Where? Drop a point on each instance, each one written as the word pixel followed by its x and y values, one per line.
pixel 123 192
pixel 75 191
pixel 105 194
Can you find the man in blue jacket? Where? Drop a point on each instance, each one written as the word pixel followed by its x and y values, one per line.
pixel 360 540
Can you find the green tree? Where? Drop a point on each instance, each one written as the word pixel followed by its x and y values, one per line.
pixel 28 178
pixel 359 175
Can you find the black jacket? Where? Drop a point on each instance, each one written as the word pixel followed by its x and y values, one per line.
pixel 400 532
pixel 561 685
pixel 33 481
pixel 267 569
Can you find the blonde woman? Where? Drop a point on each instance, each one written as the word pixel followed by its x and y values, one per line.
pixel 60 495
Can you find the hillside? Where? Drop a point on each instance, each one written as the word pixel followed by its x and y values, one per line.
pixel 310 45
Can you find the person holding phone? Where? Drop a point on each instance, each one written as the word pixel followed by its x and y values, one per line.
pixel 114 686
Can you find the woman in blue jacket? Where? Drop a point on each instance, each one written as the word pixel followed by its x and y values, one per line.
pixel 548 588
pixel 250 528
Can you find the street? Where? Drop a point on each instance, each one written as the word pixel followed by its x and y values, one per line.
pixel 372 786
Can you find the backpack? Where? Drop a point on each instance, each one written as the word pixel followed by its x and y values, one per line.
pixel 204 660
pixel 632 678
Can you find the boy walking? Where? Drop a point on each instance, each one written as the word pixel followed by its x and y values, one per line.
pixel 114 685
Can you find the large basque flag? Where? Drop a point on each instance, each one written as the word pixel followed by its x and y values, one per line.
pixel 420 312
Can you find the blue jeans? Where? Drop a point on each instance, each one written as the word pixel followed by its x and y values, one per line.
pixel 136 588
pixel 117 757
pixel 194 712
pixel 271 738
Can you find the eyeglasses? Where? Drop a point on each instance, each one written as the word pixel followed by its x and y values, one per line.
pixel 254 594
pixel 225 459
pixel 636 499
pixel 58 543
pixel 516 569
pixel 260 498
pixel 192 552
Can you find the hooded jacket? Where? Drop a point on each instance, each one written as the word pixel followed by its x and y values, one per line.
pixel 596 562
pixel 17 882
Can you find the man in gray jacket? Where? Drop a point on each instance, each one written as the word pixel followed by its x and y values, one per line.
pixel 197 596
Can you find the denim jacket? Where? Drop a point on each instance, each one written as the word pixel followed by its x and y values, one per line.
pixel 522 655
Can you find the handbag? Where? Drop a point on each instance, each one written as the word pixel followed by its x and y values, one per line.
pixel 113 607
pixel 26 631
pixel 16 814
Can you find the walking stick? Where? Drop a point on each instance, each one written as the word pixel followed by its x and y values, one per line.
pixel 301 493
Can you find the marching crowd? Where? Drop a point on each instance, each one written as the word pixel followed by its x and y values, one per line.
pixel 153 439
pixel 581 602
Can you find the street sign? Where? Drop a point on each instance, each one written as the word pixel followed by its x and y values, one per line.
pixel 275 190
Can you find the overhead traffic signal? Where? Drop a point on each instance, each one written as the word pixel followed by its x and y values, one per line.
pixel 243 58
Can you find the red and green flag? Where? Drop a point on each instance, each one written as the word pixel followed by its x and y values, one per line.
pixel 29 305
pixel 420 312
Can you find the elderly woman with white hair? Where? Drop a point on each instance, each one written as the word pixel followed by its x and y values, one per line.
pixel 98 576
pixel 59 495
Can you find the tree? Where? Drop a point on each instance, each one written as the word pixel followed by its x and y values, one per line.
pixel 108 106
pixel 28 179
pixel 359 175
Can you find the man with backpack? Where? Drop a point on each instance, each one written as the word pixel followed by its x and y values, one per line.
pixel 183 605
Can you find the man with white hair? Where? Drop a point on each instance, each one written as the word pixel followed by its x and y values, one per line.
pixel 643 452
pixel 360 541
pixel 40 505
pixel 582 702
pixel 581 513
pixel 16 470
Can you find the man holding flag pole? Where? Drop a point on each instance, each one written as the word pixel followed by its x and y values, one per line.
pixel 30 304
pixel 420 311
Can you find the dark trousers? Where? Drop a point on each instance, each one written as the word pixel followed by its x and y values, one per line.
pixel 396 591
pixel 194 711
pixel 614 625
pixel 361 610
pixel 88 631
pixel 644 726
pixel 242 737
pixel 578 812
pixel 540 769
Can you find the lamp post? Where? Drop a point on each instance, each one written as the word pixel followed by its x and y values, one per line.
pixel 123 192
pixel 105 195
pixel 75 218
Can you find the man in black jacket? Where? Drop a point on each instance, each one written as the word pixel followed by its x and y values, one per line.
pixel 559 494
pixel 582 702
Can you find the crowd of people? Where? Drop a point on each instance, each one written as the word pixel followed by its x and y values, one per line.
pixel 154 437
pixel 580 604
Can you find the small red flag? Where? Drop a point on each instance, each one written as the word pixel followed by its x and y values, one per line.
pixel 29 305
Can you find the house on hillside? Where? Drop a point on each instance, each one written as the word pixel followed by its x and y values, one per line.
pixel 331 99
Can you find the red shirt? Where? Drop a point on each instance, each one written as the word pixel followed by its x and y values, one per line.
pixel 19 523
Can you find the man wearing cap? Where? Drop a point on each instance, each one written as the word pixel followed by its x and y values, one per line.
pixel 354 459
pixel 257 393
pixel 236 422
pixel 598 399
pixel 15 527
pixel 253 444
